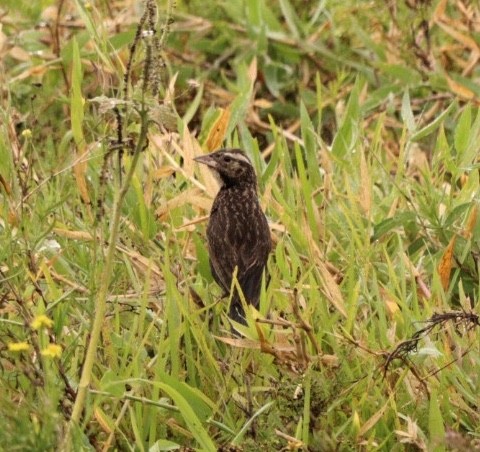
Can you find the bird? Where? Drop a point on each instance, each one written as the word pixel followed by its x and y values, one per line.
pixel 238 235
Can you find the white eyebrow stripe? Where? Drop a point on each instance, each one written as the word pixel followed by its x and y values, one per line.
pixel 239 157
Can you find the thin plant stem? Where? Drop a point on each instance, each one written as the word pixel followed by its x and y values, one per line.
pixel 101 302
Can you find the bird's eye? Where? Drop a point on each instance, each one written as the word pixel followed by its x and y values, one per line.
pixel 227 159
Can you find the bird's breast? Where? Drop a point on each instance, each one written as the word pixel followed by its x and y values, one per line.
pixel 236 217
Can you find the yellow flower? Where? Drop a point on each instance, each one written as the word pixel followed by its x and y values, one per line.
pixel 53 351
pixel 41 321
pixel 18 347
pixel 26 133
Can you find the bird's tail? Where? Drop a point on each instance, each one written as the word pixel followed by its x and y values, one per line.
pixel 236 312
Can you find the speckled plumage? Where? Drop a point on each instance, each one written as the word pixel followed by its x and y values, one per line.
pixel 237 231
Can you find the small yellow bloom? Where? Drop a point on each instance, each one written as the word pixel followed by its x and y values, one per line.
pixel 41 321
pixel 18 347
pixel 26 133
pixel 52 351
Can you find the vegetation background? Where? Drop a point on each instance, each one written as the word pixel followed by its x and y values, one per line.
pixel 362 120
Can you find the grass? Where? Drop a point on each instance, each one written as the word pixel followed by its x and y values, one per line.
pixel 363 124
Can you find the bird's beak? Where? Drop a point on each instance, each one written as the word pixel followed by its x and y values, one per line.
pixel 206 160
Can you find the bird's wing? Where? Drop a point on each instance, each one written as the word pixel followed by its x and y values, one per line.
pixel 221 276
pixel 250 281
pixel 251 263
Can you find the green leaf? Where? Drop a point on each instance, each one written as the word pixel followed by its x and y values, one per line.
pixel 347 135
pixel 238 438
pixel 193 105
pixel 277 76
pixel 239 108
pixel 308 134
pixel 306 408
pixel 290 17
pixel 203 264
pixel 306 187
pixel 467 159
pixel 199 402
pixel 110 383
pixel 208 121
pixel 407 114
pixel 100 42
pixel 402 219
pixel 457 214
pixel 436 427
pixel 428 129
pixel 401 73
pixel 163 445
pixel 462 131
pixel 76 99
pixel 191 419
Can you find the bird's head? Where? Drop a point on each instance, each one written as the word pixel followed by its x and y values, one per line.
pixel 230 166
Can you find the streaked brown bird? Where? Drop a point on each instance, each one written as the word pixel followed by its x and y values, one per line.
pixel 237 233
